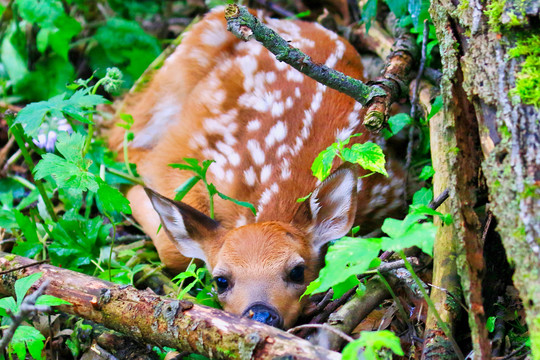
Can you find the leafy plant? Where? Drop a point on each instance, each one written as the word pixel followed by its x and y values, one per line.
pixel 344 262
pixel 206 294
pixel 372 342
pixel 368 155
pixel 200 171
pixel 25 337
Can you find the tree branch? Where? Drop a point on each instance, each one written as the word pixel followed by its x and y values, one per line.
pixel 163 321
pixel 246 26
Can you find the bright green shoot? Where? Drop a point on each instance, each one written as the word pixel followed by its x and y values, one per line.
pixel 200 171
pixel 368 155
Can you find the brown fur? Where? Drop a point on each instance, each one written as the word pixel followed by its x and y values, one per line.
pixel 197 83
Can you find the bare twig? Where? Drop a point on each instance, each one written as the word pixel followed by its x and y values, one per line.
pixel 27 308
pixel 439 200
pixel 23 267
pixel 276 8
pixel 414 105
pixel 246 26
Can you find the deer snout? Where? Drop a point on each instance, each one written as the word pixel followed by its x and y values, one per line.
pixel 264 313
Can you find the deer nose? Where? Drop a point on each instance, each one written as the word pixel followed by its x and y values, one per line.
pixel 265 314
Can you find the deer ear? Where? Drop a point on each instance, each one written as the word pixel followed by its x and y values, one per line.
pixel 329 212
pixel 187 227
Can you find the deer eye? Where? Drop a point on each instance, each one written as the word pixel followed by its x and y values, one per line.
pixel 222 284
pixel 297 274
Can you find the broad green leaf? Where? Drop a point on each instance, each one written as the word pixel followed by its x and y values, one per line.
pixel 341 288
pixel 27 336
pixel 111 199
pixel 368 155
pixel 51 301
pixel 23 285
pixel 31 116
pixel 322 165
pixel 369 11
pixel 426 173
pixel 27 227
pixel 8 303
pixel 398 7
pixel 422 197
pixel 419 12
pixel 420 235
pixel 183 189
pixel 13 53
pixel 372 341
pixel 398 122
pixel 347 257
pixel 67 174
pixel 238 202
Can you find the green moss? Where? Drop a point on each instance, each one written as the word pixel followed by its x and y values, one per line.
pixel 494 12
pixel 528 79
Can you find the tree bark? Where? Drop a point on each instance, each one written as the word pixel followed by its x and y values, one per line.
pixel 482 112
pixel 161 321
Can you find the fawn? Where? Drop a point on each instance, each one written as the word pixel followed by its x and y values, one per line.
pixel 263 123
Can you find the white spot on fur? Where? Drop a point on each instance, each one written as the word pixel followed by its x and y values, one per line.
pixel 285 169
pixel 214 33
pixel 254 125
pixel 163 115
pixel 229 152
pixel 229 176
pixel 354 122
pixel 266 196
pixel 256 152
pixel 241 221
pixel 295 75
pixel 250 176
pixel 277 109
pixel 297 92
pixel 277 133
pixel 289 103
pixel 265 173
pixel 282 150
pixel 270 77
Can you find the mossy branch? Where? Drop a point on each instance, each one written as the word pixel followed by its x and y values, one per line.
pixel 246 26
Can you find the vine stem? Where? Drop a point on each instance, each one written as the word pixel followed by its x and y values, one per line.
pixel 17 132
pixel 431 305
pixel 90 134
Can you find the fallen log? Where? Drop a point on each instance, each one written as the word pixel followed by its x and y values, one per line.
pixel 158 320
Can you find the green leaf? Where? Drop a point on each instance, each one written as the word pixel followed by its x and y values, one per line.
pixel 70 171
pixel 490 325
pixel 27 336
pixel 422 197
pixel 347 257
pixel 398 122
pixel 436 107
pixel 426 173
pixel 238 202
pixel 13 53
pixel 368 155
pixel 322 165
pixel 31 117
pixel 111 200
pixel 183 189
pixel 420 235
pixel 341 288
pixel 419 12
pixel 51 301
pixel 398 7
pixel 23 285
pixel 8 303
pixel 373 341
pixel 369 11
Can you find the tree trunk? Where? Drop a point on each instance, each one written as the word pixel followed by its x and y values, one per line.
pixel 492 141
pixel 161 321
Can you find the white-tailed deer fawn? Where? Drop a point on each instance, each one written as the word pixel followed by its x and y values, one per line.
pixel 263 123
